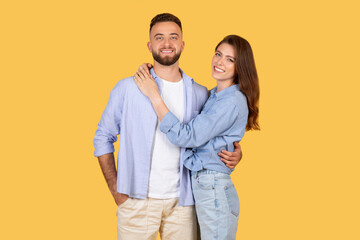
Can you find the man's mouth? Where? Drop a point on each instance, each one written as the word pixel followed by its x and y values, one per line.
pixel 166 51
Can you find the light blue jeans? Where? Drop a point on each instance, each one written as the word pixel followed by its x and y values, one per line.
pixel 217 205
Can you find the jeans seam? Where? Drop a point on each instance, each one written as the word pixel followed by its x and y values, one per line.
pixel 228 200
pixel 216 207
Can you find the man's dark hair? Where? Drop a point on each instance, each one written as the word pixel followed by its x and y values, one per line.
pixel 165 17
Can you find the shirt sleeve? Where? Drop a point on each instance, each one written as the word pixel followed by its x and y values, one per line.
pixel 109 125
pixel 202 128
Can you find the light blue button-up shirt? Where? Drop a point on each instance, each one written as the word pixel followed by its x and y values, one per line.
pixel 221 122
pixel 130 114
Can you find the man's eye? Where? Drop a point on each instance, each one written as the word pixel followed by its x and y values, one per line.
pixel 174 38
pixel 159 38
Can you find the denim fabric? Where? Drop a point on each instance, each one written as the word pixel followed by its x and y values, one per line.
pixel 221 122
pixel 217 205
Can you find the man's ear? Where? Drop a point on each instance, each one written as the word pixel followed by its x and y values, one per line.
pixel 182 45
pixel 149 46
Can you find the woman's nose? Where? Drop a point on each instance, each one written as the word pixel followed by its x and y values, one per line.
pixel 220 61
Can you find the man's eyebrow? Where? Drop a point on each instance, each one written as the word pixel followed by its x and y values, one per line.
pixel 161 34
pixel 158 34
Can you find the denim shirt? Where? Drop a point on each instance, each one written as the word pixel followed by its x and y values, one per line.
pixel 130 114
pixel 221 122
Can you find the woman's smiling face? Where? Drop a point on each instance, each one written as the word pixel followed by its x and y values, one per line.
pixel 223 63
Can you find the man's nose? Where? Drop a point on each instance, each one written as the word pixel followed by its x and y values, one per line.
pixel 167 42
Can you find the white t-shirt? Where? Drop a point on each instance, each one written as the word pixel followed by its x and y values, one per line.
pixel 165 166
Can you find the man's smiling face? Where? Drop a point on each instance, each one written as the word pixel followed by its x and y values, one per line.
pixel 166 43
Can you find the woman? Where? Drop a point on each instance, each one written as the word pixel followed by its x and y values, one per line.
pixel 231 109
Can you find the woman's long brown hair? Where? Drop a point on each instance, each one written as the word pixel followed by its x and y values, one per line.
pixel 246 76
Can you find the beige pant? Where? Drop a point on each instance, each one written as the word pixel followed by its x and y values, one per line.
pixel 140 219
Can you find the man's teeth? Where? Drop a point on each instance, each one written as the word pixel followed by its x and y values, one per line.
pixel 219 70
pixel 166 51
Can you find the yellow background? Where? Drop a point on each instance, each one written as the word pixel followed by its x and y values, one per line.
pixel 299 178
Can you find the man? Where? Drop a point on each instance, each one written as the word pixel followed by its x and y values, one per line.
pixel 151 187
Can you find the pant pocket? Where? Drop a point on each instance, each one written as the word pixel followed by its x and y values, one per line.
pixel 133 214
pixel 232 199
pixel 205 181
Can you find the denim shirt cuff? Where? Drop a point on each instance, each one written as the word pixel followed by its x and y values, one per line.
pixel 168 122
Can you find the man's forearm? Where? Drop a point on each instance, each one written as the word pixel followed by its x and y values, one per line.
pixel 107 164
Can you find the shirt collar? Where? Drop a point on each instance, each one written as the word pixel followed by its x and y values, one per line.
pixel 224 92
pixel 185 77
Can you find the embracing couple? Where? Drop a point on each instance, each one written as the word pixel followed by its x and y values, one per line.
pixel 178 142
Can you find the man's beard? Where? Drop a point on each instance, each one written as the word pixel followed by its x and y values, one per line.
pixel 167 60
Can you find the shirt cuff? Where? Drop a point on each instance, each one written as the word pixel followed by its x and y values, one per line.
pixel 104 150
pixel 168 122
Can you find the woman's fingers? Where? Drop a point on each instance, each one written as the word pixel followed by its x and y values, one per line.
pixel 141 75
pixel 145 68
pixel 138 79
pixel 145 72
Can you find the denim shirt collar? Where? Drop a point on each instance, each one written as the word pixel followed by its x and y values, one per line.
pixel 224 92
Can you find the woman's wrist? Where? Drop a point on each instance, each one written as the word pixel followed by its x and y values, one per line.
pixel 155 97
pixel 159 106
